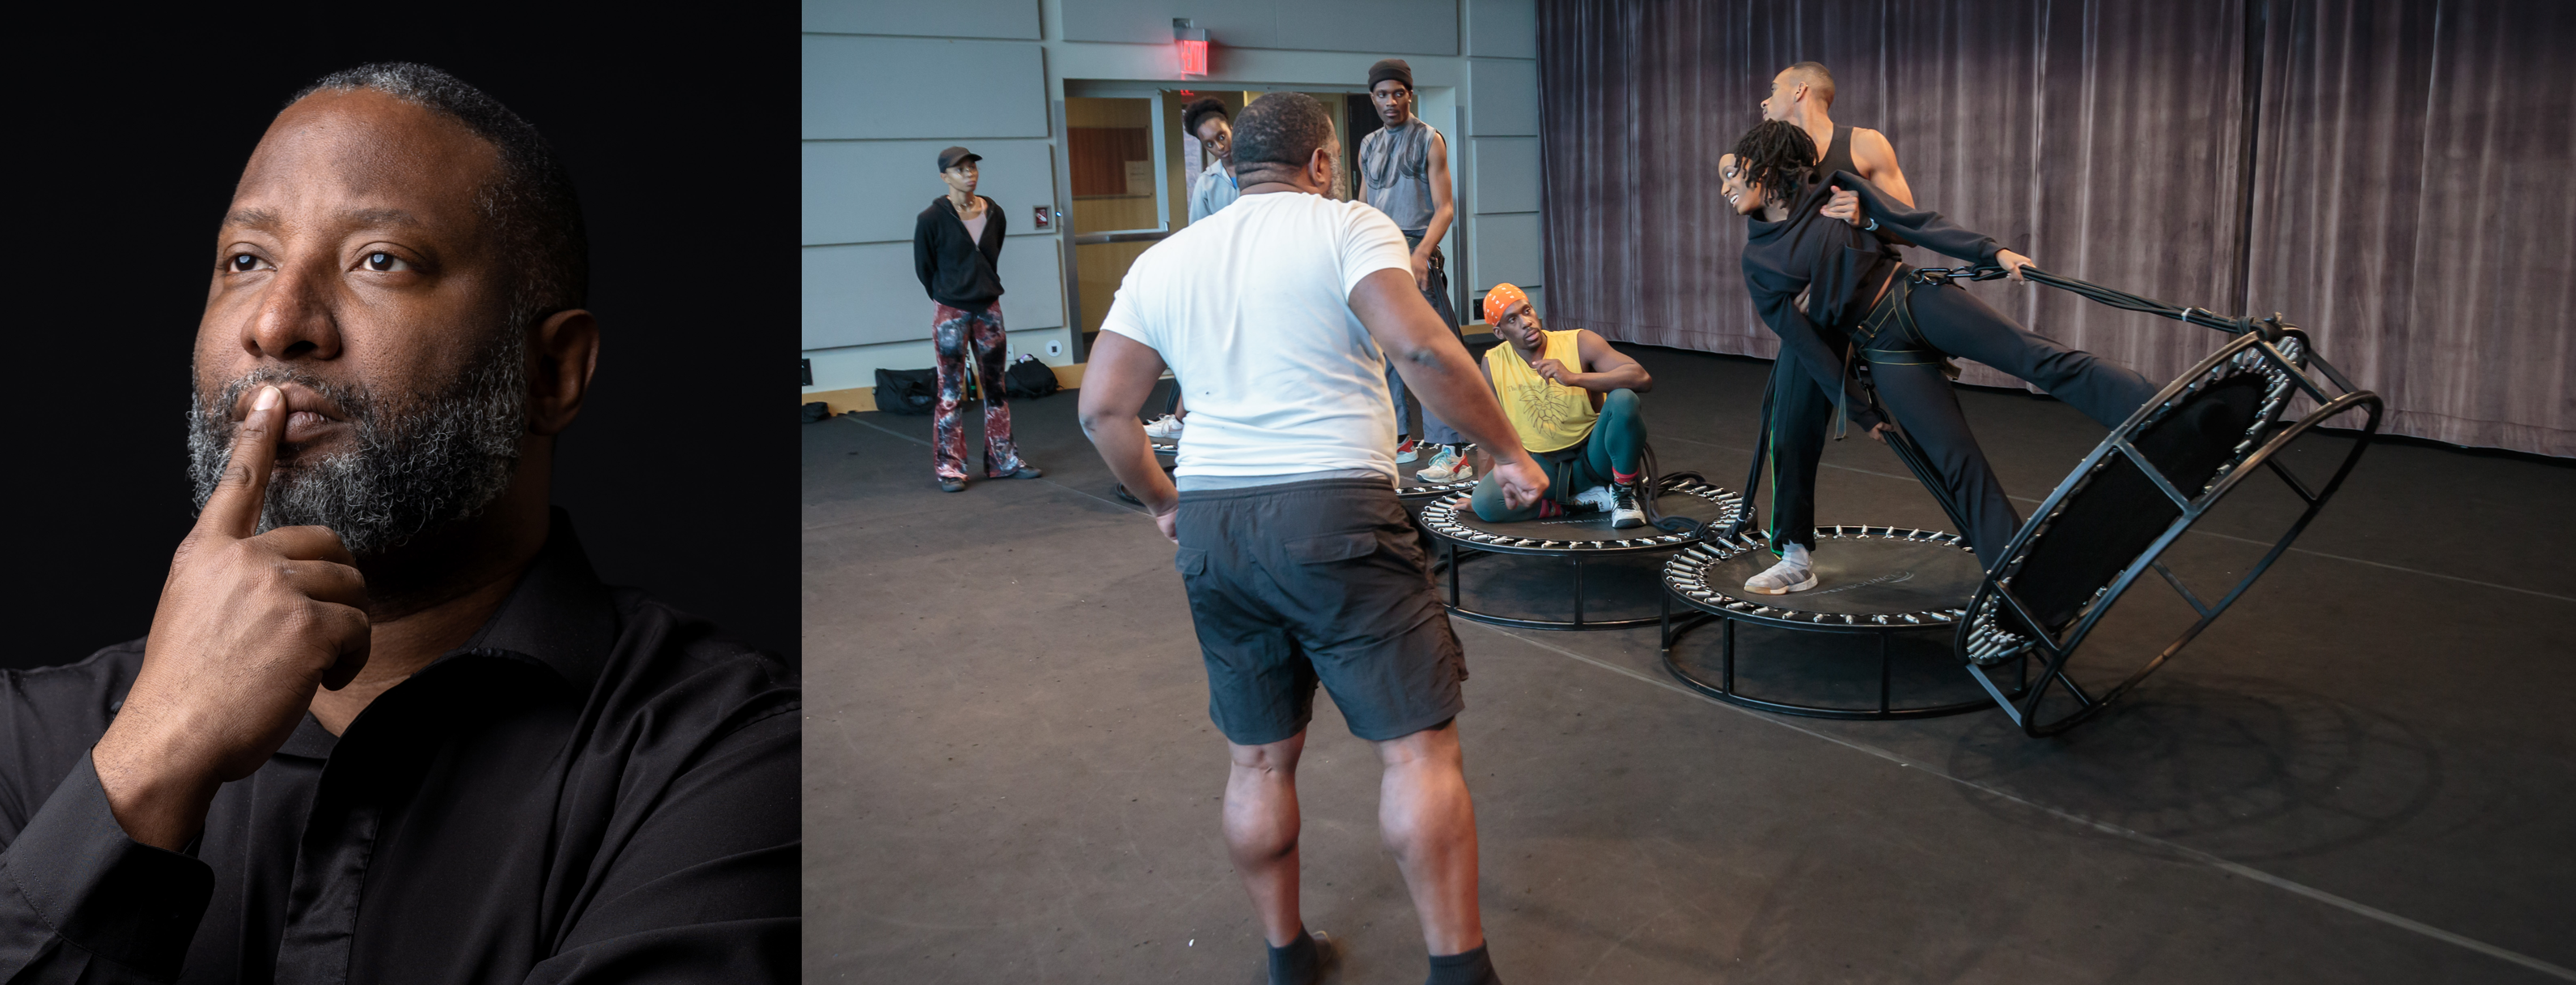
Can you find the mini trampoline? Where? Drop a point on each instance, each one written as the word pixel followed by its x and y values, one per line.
pixel 2109 522
pixel 1875 580
pixel 1682 505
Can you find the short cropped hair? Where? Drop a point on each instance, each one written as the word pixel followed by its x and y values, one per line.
pixel 1198 112
pixel 544 246
pixel 1818 78
pixel 1281 129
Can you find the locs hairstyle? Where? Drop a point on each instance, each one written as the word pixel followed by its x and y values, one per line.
pixel 425 459
pixel 1777 156
pixel 1280 130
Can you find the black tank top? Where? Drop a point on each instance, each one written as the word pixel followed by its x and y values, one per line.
pixel 1838 157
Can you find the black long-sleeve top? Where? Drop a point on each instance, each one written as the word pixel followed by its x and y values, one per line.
pixel 1845 265
pixel 592 789
pixel 957 271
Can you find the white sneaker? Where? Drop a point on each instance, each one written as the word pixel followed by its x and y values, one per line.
pixel 1446 467
pixel 1624 512
pixel 1164 428
pixel 1783 578
pixel 1599 498
pixel 1405 453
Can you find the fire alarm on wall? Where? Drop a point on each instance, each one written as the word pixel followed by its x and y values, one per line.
pixel 1046 216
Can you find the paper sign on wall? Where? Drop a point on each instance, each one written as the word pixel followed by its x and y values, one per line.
pixel 1140 177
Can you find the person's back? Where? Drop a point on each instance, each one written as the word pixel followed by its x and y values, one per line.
pixel 1251 309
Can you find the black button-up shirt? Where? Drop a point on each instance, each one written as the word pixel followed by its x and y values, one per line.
pixel 594 788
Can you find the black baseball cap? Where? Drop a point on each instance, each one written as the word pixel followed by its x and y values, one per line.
pixel 955 156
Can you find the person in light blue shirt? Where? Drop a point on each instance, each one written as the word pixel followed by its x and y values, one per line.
pixel 1206 119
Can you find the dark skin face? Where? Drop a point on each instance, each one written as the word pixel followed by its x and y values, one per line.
pixel 353 253
pixel 1394 101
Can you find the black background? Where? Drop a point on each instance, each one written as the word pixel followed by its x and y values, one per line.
pixel 680 135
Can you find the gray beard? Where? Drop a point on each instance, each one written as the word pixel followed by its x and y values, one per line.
pixel 417 467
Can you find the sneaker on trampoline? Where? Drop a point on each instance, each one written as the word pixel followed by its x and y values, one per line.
pixel 1783 578
pixel 1599 498
pixel 1164 428
pixel 1405 453
pixel 1624 512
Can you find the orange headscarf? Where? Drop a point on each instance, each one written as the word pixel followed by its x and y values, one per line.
pixel 1503 296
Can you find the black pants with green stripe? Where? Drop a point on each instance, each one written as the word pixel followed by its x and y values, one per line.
pixel 1905 365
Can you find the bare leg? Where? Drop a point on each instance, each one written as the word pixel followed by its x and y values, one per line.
pixel 1428 820
pixel 1261 831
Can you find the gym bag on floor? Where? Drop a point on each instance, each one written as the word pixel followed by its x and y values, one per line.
pixel 907 391
pixel 1029 378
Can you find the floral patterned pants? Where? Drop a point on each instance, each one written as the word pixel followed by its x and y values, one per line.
pixel 952 331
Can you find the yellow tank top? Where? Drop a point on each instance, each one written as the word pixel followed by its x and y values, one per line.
pixel 1550 416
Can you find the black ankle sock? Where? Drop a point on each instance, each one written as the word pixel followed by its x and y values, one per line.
pixel 1463 968
pixel 1296 964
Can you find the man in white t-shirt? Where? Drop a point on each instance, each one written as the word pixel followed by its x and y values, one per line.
pixel 1278 317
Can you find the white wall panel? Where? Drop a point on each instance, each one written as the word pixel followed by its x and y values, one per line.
pixel 867 293
pixel 1506 174
pixel 1382 27
pixel 1502 28
pixel 1506 250
pixel 878 89
pixel 944 19
pixel 869 191
pixel 1504 94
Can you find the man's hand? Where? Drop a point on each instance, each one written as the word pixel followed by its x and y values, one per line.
pixel 1843 205
pixel 1422 271
pixel 1878 432
pixel 1522 481
pixel 1555 372
pixel 2012 263
pixel 1168 521
pixel 248 626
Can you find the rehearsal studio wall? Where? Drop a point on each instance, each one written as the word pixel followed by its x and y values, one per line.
pixel 888 84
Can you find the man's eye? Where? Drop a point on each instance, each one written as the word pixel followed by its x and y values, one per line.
pixel 242 263
pixel 384 263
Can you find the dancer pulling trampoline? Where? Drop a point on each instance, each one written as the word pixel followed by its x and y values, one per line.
pixel 1825 235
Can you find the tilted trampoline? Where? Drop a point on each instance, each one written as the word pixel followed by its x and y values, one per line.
pixel 1682 505
pixel 2110 521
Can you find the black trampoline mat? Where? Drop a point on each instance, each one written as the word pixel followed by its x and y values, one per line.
pixel 1586 523
pixel 1864 576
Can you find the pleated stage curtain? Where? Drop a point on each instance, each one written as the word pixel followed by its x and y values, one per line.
pixel 2127 142
pixel 2415 206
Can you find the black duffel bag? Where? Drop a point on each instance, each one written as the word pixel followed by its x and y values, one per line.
pixel 1029 378
pixel 907 391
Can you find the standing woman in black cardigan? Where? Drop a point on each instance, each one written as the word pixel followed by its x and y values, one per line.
pixel 956 247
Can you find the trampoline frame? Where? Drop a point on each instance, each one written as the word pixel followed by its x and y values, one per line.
pixel 1732 610
pixel 1439 520
pixel 1985 647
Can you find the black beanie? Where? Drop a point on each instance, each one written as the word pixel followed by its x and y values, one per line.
pixel 1391 68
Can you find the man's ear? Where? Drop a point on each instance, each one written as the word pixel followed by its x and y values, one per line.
pixel 1320 167
pixel 562 353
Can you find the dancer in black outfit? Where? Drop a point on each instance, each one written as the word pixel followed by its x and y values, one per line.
pixel 1829 232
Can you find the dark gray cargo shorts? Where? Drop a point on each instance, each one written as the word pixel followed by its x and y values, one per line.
pixel 1306 582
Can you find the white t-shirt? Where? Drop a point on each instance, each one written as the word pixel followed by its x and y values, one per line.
pixel 1250 307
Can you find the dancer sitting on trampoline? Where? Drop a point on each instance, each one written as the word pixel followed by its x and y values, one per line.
pixel 1828 230
pixel 1573 400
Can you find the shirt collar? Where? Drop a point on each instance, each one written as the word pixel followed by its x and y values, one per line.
pixel 559 614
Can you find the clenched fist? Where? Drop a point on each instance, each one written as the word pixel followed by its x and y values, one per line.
pixel 249 625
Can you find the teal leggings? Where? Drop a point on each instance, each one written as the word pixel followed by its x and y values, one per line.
pixel 1611 453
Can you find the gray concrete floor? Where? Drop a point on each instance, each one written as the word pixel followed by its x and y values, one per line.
pixel 2365 772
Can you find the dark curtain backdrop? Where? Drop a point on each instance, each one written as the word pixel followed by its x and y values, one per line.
pixel 2415 202
pixel 2128 142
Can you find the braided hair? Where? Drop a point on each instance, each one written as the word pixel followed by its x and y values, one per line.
pixel 1778 156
